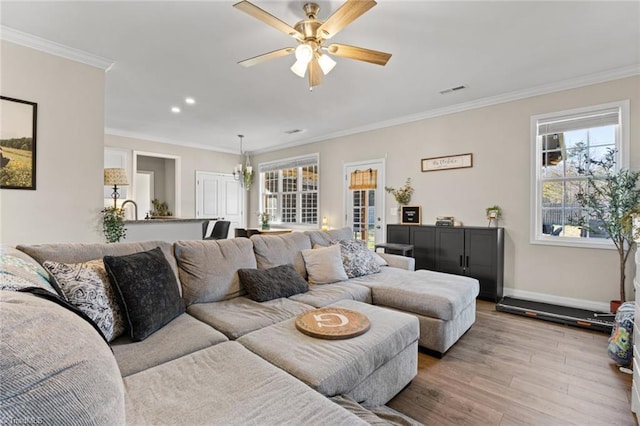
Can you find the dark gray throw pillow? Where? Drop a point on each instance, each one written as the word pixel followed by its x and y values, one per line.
pixel 148 290
pixel 273 283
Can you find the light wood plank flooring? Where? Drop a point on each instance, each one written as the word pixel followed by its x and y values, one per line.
pixel 512 370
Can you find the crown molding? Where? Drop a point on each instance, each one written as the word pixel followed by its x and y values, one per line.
pixel 151 138
pixel 582 81
pixel 53 48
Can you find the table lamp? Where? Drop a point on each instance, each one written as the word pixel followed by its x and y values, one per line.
pixel 115 177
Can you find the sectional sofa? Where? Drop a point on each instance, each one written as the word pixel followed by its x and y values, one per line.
pixel 223 357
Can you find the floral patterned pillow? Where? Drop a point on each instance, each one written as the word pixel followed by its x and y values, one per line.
pixel 87 287
pixel 17 273
pixel 357 259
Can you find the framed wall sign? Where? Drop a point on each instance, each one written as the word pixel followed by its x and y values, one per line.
pixel 410 215
pixel 17 143
pixel 448 162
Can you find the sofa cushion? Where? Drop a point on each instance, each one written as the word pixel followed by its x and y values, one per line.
pixel 357 259
pixel 86 286
pixel 324 265
pixel 239 316
pixel 226 385
pixel 147 289
pixel 335 367
pixel 18 270
pixel 45 353
pixel 83 252
pixel 428 293
pixel 324 238
pixel 273 283
pixel 208 269
pixel 323 295
pixel 180 337
pixel 276 250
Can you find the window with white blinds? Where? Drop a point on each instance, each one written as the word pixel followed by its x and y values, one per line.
pixel 562 144
pixel 289 190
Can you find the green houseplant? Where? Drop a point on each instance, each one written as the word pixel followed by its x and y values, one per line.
pixel 113 224
pixel 610 199
pixel 402 195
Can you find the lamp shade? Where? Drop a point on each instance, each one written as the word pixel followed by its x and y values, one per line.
pixel 115 176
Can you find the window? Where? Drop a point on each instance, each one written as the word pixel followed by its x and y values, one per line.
pixel 289 190
pixel 562 142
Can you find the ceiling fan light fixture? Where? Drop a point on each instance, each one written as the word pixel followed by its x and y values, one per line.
pixel 304 53
pixel 299 68
pixel 326 63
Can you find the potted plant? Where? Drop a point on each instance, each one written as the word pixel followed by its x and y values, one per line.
pixel 402 195
pixel 494 212
pixel 611 198
pixel 264 219
pixel 113 224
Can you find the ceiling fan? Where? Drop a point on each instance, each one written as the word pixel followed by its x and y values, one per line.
pixel 311 54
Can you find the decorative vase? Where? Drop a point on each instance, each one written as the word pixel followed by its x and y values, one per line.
pixel 265 226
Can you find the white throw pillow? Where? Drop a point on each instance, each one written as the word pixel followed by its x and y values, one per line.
pixel 324 265
pixel 380 260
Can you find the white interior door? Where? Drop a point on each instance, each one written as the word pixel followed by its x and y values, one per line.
pixel 365 206
pixel 219 197
pixel 144 192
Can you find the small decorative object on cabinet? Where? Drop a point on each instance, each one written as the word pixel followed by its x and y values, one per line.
pixel 264 220
pixel 494 213
pixel 410 215
pixel 477 252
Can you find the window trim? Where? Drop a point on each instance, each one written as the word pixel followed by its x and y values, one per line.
pixel 289 162
pixel 622 145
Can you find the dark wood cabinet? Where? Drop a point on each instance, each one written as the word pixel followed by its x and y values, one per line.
pixel 473 251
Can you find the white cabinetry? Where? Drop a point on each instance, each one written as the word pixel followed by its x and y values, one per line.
pixel 635 389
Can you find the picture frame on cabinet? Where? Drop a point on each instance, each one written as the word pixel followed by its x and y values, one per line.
pixel 410 215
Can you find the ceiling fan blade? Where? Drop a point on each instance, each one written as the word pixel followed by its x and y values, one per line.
pixel 359 53
pixel 267 18
pixel 267 56
pixel 346 14
pixel 315 73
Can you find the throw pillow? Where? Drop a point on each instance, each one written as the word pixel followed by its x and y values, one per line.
pixel 148 290
pixel 357 259
pixel 380 260
pixel 86 286
pixel 324 265
pixel 17 272
pixel 273 283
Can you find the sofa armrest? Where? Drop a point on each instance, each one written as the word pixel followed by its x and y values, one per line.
pixel 397 261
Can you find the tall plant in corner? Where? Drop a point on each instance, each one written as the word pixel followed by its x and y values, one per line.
pixel 113 224
pixel 610 198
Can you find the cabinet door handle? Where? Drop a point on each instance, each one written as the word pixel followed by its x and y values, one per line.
pixel 461 264
pixel 467 263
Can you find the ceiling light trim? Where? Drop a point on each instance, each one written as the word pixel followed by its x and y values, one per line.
pixel 53 48
pixel 603 77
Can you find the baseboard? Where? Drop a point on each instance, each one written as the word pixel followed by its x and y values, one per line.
pixel 557 300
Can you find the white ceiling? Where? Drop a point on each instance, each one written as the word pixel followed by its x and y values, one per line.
pixel 165 51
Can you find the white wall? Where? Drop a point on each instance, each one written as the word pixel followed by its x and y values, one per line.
pixel 191 160
pixel 70 130
pixel 499 138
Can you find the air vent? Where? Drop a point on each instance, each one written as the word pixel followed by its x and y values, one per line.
pixel 292 131
pixel 453 89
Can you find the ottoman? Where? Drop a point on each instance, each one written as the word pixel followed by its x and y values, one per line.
pixel 371 368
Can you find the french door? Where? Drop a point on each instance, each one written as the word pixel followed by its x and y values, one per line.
pixel 364 200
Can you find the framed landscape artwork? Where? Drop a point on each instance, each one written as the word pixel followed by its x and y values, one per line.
pixel 17 143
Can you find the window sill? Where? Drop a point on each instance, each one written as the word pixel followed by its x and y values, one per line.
pixel 573 242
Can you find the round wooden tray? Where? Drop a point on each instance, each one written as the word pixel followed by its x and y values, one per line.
pixel 332 323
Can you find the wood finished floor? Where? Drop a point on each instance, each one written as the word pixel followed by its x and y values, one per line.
pixel 512 370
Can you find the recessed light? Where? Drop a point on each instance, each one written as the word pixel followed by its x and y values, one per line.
pixel 190 101
pixel 175 110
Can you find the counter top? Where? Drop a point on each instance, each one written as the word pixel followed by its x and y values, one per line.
pixel 166 219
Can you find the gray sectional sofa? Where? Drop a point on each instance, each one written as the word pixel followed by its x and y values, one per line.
pixel 228 359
